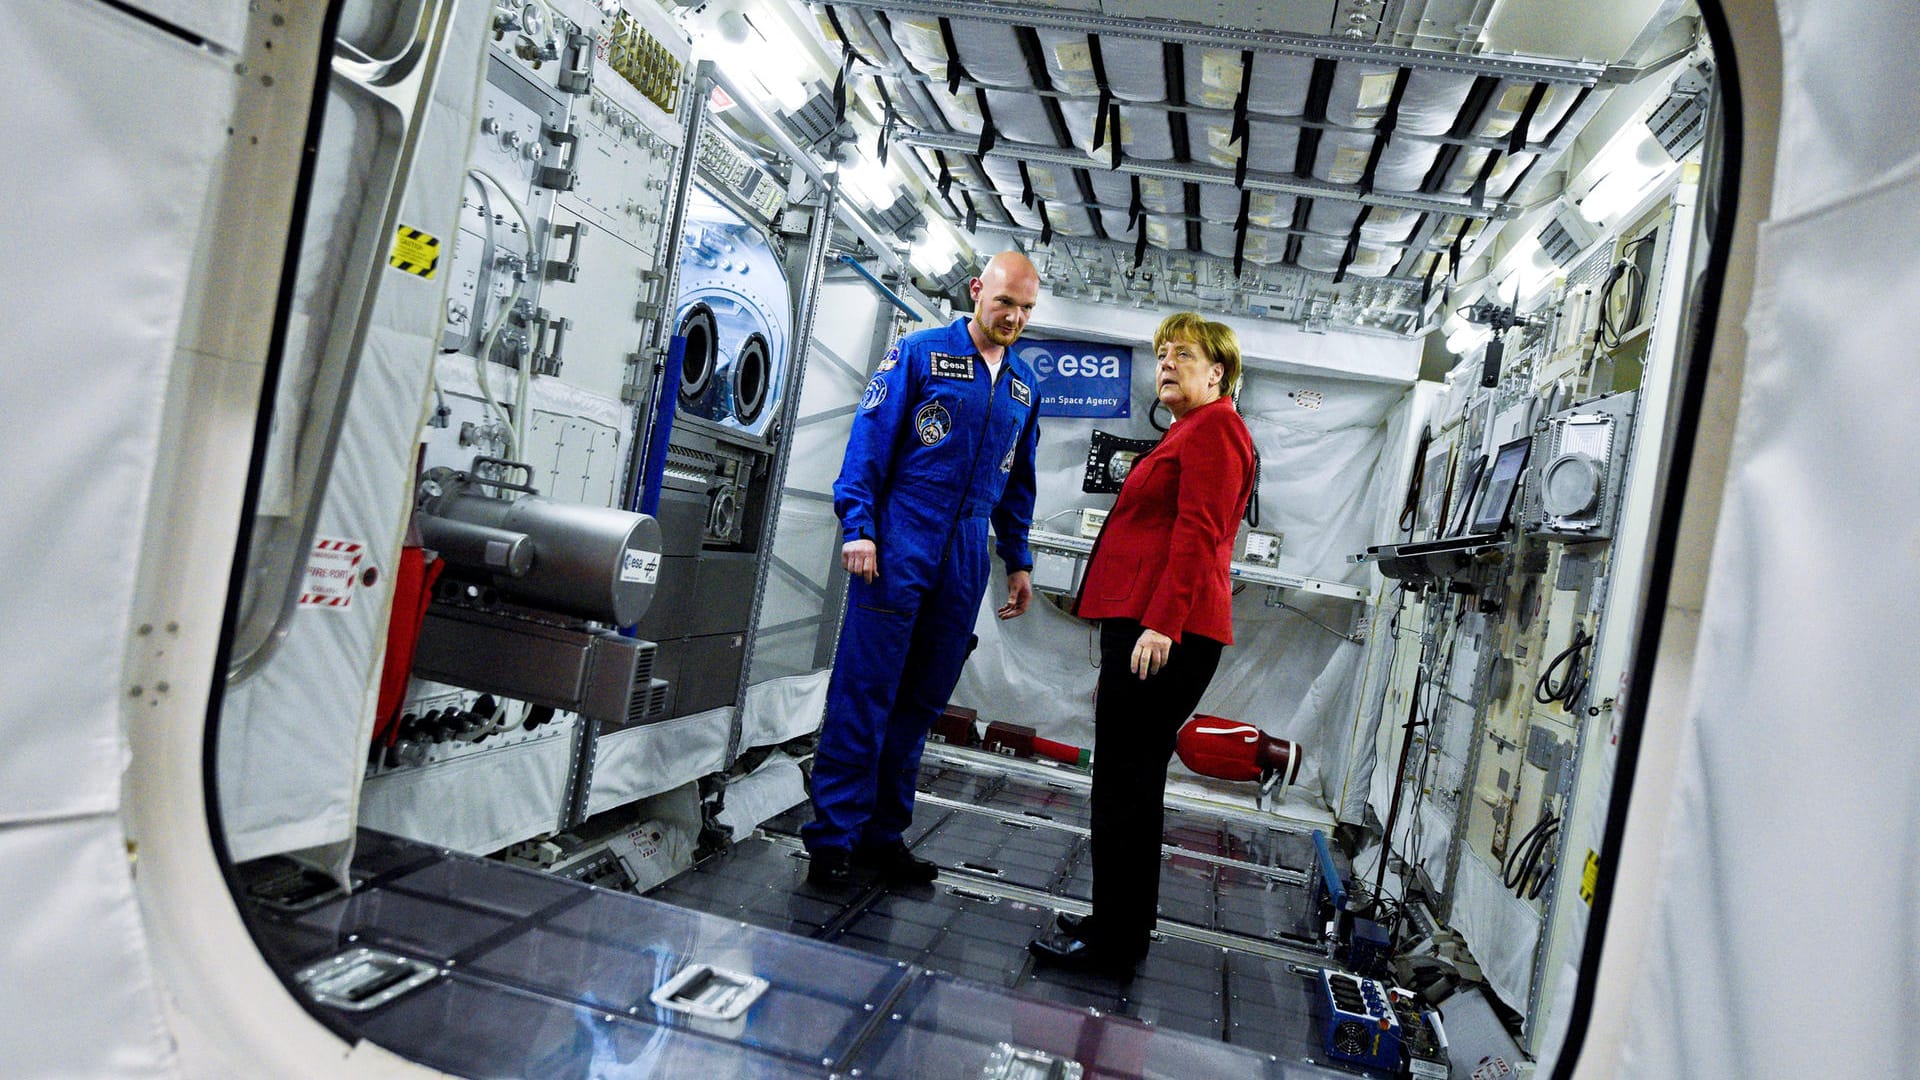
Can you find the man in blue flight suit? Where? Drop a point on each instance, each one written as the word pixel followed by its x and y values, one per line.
pixel 943 441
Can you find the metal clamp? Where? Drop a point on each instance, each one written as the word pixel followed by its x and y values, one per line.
pixel 567 269
pixel 560 176
pixel 577 76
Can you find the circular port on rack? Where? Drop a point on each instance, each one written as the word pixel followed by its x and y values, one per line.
pixel 750 376
pixel 702 352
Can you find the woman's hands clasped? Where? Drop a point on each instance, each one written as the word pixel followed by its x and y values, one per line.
pixel 1150 652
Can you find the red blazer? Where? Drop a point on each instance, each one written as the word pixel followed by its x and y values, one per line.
pixel 1163 556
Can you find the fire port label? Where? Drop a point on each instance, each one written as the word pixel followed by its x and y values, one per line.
pixel 331 571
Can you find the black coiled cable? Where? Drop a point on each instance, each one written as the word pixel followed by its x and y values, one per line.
pixel 1568 687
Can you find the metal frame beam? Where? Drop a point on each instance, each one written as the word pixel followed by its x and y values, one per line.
pixel 1487 142
pixel 1075 158
pixel 1577 72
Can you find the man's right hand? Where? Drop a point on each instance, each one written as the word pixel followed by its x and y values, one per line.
pixel 861 558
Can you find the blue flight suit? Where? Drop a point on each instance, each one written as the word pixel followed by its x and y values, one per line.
pixel 938 447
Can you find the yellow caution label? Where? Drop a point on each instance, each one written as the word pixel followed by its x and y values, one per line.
pixel 1590 876
pixel 414 251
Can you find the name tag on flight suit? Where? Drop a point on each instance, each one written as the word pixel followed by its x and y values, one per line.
pixel 1020 392
pixel 949 366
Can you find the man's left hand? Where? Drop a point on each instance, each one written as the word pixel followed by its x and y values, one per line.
pixel 1019 594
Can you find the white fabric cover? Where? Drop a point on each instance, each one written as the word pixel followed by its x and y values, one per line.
pixel 647 760
pixel 1360 93
pixel 1404 164
pixel 293 737
pixel 767 791
pixel 990 52
pixel 1019 116
pixel 1342 156
pixel 1432 102
pixel 1322 481
pixel 79 996
pixel 121 131
pixel 784 708
pixel 1783 941
pixel 478 803
pixel 1279 81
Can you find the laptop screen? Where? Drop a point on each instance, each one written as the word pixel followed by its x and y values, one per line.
pixel 1498 489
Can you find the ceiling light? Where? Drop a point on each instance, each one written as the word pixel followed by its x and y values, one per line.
pixel 1633 163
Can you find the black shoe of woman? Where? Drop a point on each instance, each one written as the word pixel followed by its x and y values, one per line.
pixel 1069 953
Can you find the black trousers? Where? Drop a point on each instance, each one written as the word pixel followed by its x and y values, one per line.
pixel 1134 725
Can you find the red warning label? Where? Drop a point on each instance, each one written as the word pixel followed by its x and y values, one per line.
pixel 331 571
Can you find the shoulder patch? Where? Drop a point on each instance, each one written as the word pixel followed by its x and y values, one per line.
pixel 949 366
pixel 891 360
pixel 932 423
pixel 1020 392
pixel 875 394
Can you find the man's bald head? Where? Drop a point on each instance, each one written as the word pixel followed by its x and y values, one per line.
pixel 1003 299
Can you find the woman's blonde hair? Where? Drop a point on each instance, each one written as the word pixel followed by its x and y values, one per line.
pixel 1217 340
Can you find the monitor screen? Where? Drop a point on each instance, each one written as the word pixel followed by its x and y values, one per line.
pixel 1498 488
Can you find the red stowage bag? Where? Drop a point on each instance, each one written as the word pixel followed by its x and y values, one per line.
pixel 1234 750
pixel 412 588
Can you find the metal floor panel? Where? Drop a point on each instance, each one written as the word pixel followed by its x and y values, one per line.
pixel 540 976
pixel 1013 848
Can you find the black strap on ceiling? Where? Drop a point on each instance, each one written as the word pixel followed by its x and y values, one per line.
pixel 1240 231
pixel 1193 216
pixel 1426 284
pixel 1026 186
pixel 955 71
pixel 846 41
pixel 1136 209
pixel 1088 196
pixel 1046 224
pixel 1518 140
pixel 1383 131
pixel 840 85
pixel 1106 93
pixel 891 117
pixel 1353 245
pixel 1302 210
pixel 1242 129
pixel 987 136
pixel 1453 253
pixel 945 182
pixel 1113 122
pixel 1478 192
pixel 1140 244
pixel 973 212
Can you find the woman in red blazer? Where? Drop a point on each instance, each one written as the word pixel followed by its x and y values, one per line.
pixel 1158 585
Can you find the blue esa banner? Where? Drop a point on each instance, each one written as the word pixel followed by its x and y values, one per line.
pixel 1081 378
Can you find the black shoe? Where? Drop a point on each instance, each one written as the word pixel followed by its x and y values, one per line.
pixel 1071 954
pixel 1070 924
pixel 896 865
pixel 832 868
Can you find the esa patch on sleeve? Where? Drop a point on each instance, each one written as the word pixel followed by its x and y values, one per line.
pixel 949 366
pixel 875 394
pixel 891 360
pixel 1020 392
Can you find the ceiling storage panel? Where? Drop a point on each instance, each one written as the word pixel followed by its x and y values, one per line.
pixel 1404 164
pixel 990 53
pixel 1360 94
pixel 1280 82
pixel 1345 156
pixel 1021 117
pixel 1271 147
pixel 1432 102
